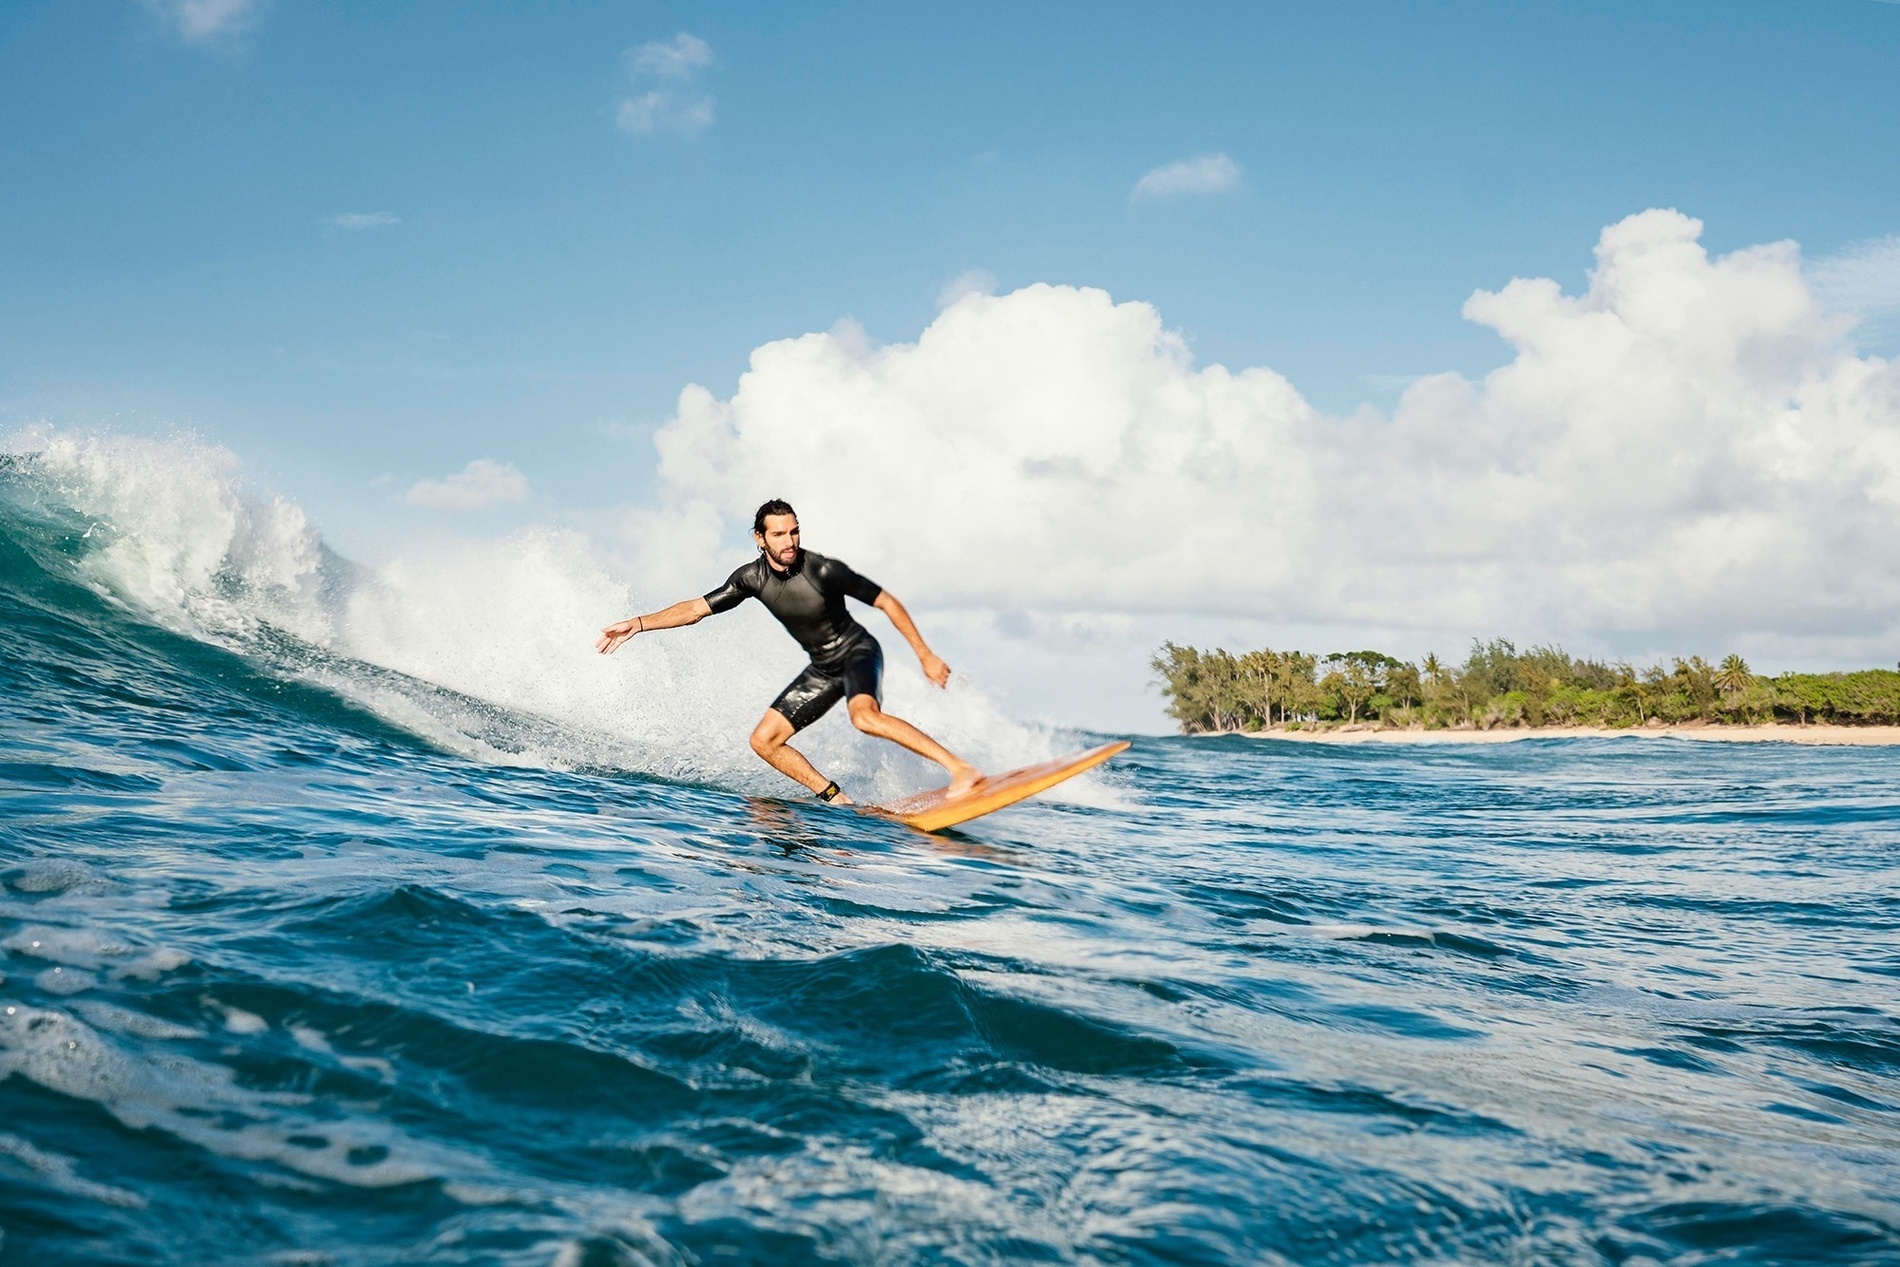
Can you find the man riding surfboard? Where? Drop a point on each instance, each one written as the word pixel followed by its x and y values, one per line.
pixel 805 591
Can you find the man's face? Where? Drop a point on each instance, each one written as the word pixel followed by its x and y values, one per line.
pixel 780 539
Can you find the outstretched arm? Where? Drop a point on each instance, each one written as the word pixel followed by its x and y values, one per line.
pixel 689 611
pixel 934 668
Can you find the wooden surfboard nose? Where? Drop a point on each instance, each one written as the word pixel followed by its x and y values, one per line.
pixel 936 810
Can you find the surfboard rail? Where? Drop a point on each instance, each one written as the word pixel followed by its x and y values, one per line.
pixel 937 809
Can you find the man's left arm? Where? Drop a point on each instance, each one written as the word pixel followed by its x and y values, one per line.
pixel 934 668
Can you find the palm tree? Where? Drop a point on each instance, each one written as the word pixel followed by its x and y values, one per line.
pixel 1434 669
pixel 1733 677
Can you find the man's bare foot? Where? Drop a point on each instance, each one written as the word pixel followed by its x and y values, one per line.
pixel 841 799
pixel 963 778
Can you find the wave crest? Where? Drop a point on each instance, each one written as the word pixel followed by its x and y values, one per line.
pixel 480 646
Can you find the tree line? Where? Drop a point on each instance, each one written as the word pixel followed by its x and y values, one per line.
pixel 1498 685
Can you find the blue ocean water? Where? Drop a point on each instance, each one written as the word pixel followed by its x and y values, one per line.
pixel 288 980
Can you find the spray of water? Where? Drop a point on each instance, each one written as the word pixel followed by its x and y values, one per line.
pixel 481 646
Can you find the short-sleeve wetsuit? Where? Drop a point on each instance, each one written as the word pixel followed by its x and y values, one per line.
pixel 808 599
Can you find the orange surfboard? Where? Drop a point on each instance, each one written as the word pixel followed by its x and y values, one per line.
pixel 934 811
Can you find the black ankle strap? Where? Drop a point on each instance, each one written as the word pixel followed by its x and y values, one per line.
pixel 830 793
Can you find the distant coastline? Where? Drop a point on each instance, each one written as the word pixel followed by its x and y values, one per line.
pixel 1818 734
pixel 1500 693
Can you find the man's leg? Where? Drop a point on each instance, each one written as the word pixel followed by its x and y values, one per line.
pixel 868 716
pixel 769 741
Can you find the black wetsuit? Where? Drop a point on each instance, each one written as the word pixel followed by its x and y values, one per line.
pixel 808 599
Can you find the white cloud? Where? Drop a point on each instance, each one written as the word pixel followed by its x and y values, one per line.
pixel 662 74
pixel 481 485
pixel 975 281
pixel 658 111
pixel 681 57
pixel 199 21
pixel 1687 450
pixel 362 220
pixel 1189 178
pixel 1863 279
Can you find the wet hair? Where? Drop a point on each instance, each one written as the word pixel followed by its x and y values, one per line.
pixel 777 506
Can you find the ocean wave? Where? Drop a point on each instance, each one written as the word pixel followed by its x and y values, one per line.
pixel 481 647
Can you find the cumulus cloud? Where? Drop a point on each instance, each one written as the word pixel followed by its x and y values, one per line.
pixel 1188 178
pixel 681 57
pixel 1864 279
pixel 481 485
pixel 200 21
pixel 662 76
pixel 975 281
pixel 362 220
pixel 1689 448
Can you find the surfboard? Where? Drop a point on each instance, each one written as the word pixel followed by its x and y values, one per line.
pixel 936 810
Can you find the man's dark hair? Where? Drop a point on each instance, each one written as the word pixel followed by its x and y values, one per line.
pixel 777 506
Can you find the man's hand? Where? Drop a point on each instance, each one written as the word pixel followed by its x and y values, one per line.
pixel 688 611
pixel 934 669
pixel 613 635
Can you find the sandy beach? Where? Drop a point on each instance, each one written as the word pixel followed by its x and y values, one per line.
pixel 1857 736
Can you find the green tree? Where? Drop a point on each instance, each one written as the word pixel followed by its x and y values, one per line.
pixel 1223 690
pixel 1202 687
pixel 1357 676
pixel 1257 671
pixel 1733 677
pixel 1179 669
pixel 1300 673
pixel 1402 686
pixel 1498 685
pixel 1493 668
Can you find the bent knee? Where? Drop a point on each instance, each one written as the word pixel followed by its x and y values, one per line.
pixel 865 714
pixel 766 742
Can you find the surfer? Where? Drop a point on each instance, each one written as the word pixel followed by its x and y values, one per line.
pixel 806 592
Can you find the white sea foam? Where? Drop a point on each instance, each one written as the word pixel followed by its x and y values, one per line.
pixel 79 955
pixel 311 1039
pixel 120 1020
pixel 74 947
pixel 485 646
pixel 239 1021
pixel 152 965
pixel 179 537
pixel 61 1173
pixel 65 980
pixel 205 1105
pixel 52 875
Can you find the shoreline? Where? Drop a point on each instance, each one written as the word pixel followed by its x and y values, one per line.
pixel 1774 732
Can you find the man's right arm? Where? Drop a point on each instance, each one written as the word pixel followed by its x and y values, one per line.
pixel 688 611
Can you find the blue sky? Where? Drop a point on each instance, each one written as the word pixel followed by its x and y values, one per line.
pixel 540 282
